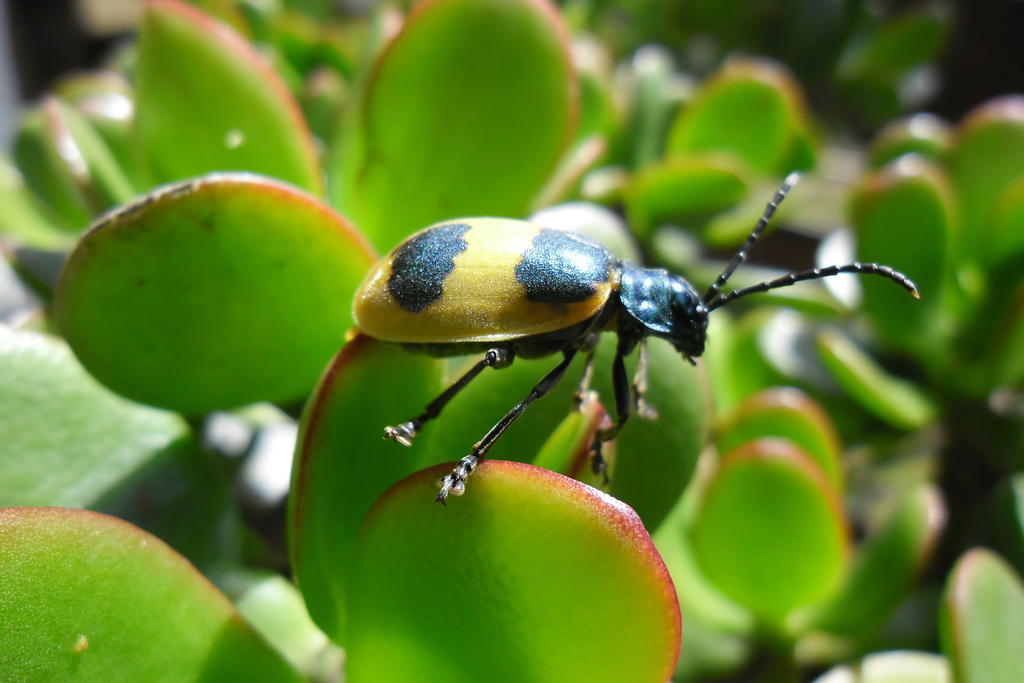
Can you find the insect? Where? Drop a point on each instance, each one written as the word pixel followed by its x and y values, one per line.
pixel 510 288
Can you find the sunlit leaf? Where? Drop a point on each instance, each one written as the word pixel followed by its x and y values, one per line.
pixel 208 102
pixel 229 289
pixel 89 597
pixel 563 580
pixel 446 128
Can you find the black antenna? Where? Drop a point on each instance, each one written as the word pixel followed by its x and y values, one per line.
pixel 762 222
pixel 715 299
pixel 816 273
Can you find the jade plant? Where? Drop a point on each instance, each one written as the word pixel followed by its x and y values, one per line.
pixel 183 233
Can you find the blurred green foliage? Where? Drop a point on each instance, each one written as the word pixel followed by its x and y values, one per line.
pixel 812 499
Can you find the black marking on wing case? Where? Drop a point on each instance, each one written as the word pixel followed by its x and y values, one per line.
pixel 562 267
pixel 420 265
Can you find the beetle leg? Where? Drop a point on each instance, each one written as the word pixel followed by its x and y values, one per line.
pixel 455 482
pixel 589 347
pixel 406 432
pixel 642 407
pixel 623 409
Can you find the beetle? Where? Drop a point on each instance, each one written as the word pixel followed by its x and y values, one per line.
pixel 511 288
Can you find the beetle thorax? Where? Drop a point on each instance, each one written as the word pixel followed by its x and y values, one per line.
pixel 664 305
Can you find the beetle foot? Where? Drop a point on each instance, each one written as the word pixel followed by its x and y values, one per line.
pixel 403 433
pixel 455 483
pixel 645 410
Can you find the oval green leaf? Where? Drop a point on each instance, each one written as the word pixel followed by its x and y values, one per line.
pixel 752 109
pixel 448 127
pixel 982 618
pixel 342 464
pixel 229 289
pixel 89 597
pixel 24 219
pixel 987 155
pixel 208 102
pixel 559 581
pixel 769 531
pixel 682 190
pixel 903 216
pixel 886 565
pixel 68 441
pixel 788 413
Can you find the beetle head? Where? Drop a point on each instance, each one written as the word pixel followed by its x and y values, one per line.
pixel 665 305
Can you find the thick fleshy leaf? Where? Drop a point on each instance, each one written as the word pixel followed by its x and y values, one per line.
pixel 24 219
pixel 89 597
pixel 208 102
pixel 446 128
pixel 1003 240
pixel 734 359
pixel 275 609
pixel 899 666
pixel 561 581
pixel 889 398
pixel 924 134
pixel 982 619
pixel 68 441
pixel 677 190
pixel 342 464
pixel 886 565
pixel 718 631
pixel 769 531
pixel 654 457
pixel 787 413
pixel 987 155
pixel 903 216
pixel 229 289
pixel 107 102
pixel 53 164
pixel 567 450
pixel 753 109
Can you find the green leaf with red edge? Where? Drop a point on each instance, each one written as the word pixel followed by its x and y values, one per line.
pixel 904 218
pixel 89 597
pixel 987 155
pixel 229 289
pixel 530 576
pixel 769 531
pixel 982 618
pixel 885 566
pixel 207 101
pixel 923 134
pixel 447 127
pixel 752 109
pixel 786 413
pixel 342 464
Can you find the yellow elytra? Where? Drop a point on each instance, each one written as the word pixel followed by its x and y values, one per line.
pixel 483 280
